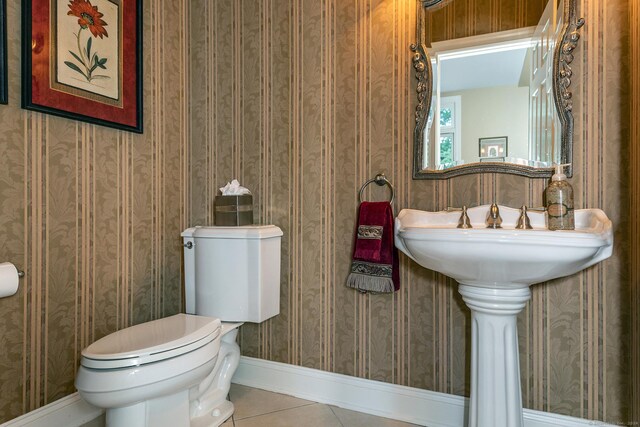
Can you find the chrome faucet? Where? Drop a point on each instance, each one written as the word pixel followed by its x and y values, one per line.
pixel 493 218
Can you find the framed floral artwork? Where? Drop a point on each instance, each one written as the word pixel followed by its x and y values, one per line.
pixel 82 59
pixel 4 86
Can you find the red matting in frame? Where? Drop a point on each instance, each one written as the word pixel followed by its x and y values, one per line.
pixel 43 95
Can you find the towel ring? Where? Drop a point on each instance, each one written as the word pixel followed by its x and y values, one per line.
pixel 381 180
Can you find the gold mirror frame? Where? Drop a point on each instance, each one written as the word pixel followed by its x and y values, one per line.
pixel 562 74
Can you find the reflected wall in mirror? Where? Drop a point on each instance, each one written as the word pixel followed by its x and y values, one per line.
pixel 493 91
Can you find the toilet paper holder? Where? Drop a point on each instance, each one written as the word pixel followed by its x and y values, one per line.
pixel 10 277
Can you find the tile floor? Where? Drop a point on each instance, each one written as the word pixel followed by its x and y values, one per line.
pixel 259 408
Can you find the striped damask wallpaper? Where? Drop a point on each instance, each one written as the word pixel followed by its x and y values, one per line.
pixel 303 101
pixel 93 216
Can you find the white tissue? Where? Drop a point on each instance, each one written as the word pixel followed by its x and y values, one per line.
pixel 234 188
pixel 8 279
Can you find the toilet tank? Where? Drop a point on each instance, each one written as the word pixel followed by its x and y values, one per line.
pixel 233 273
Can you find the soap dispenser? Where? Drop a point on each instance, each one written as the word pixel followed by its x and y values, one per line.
pixel 559 197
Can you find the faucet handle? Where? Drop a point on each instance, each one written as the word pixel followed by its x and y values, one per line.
pixel 464 221
pixel 523 221
pixel 494 220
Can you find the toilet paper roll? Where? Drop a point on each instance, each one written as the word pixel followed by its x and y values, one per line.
pixel 8 279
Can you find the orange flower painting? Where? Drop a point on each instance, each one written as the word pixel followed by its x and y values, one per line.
pixel 89 18
pixel 83 60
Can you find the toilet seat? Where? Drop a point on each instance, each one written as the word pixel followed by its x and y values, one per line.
pixel 151 342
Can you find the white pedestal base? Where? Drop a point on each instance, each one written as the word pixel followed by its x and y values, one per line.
pixel 496 396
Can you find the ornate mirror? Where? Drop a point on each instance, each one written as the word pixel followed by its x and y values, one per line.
pixel 497 101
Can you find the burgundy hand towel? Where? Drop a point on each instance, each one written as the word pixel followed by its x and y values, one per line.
pixel 374 267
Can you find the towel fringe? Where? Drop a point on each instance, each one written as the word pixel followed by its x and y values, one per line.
pixel 365 283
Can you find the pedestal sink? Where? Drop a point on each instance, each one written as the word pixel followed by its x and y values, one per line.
pixel 494 269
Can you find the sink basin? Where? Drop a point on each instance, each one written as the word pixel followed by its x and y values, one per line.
pixel 495 268
pixel 495 257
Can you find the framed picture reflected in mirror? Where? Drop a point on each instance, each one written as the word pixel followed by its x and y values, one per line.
pixel 493 147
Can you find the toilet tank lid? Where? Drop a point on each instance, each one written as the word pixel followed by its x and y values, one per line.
pixel 239 232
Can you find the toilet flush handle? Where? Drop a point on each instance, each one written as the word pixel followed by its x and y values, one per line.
pixel 188 245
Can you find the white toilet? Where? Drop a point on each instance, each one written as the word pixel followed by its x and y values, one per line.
pixel 176 371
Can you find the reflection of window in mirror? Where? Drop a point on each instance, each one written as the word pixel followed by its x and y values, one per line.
pixel 450 134
pixel 545 132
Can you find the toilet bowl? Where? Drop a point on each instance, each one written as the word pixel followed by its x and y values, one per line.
pixel 176 371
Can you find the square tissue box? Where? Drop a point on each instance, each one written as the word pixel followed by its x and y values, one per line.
pixel 234 210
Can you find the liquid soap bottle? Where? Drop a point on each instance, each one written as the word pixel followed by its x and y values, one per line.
pixel 559 197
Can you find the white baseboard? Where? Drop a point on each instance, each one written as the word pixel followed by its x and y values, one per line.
pixel 422 407
pixel 70 411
